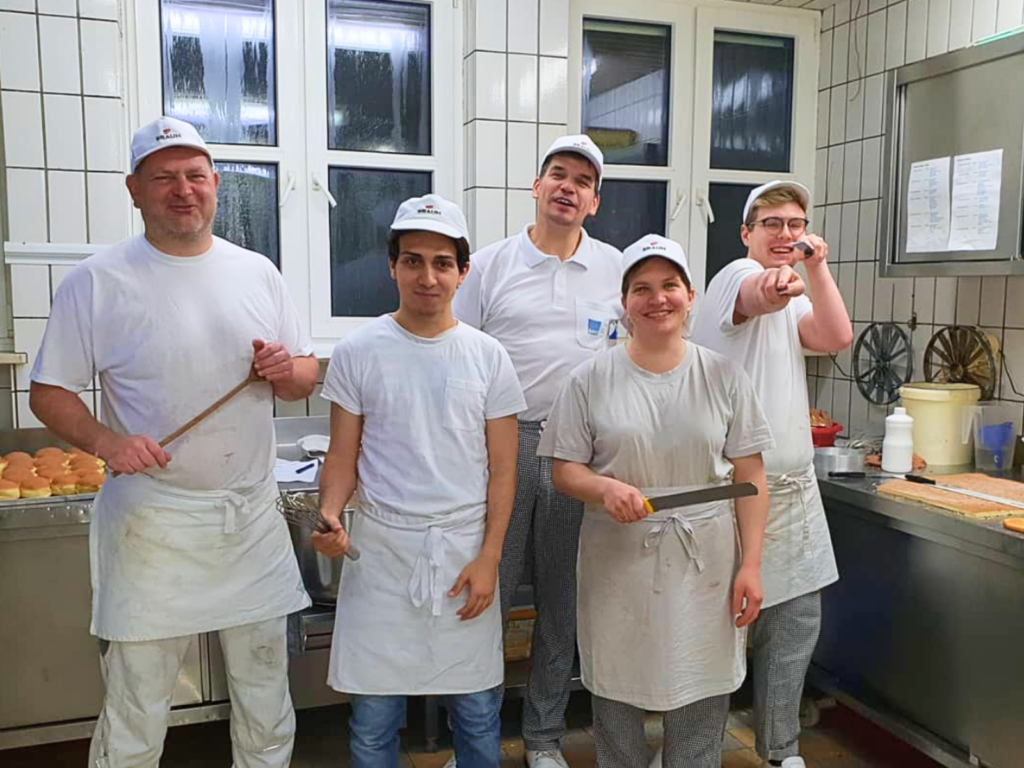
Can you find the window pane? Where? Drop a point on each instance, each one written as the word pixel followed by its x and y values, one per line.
pixel 378 76
pixel 218 58
pixel 625 90
pixel 724 242
pixel 247 207
pixel 361 285
pixel 752 102
pixel 629 210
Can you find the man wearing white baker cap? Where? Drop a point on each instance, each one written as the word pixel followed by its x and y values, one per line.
pixel 550 295
pixel 423 417
pixel 755 312
pixel 186 538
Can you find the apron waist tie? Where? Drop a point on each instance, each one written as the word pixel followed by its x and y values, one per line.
pixel 796 482
pixel 233 504
pixel 426 583
pixel 684 530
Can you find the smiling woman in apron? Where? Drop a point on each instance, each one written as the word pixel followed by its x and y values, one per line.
pixel 663 599
pixel 423 413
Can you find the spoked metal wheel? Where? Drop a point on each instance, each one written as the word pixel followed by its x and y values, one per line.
pixel 883 361
pixel 961 354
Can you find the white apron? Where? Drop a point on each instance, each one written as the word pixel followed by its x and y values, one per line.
pixel 656 628
pixel 396 631
pixel 797 556
pixel 167 562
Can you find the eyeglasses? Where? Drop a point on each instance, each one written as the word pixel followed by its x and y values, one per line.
pixel 774 225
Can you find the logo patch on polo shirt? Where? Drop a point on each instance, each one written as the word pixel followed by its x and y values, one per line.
pixel 593 326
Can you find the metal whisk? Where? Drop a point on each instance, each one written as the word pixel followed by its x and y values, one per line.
pixel 303 510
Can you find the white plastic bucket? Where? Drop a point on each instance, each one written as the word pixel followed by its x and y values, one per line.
pixel 938 411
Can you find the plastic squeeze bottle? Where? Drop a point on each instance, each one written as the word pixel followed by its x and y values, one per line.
pixel 898 445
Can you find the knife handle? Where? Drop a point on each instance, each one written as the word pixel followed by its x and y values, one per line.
pixel 647 506
pixel 919 479
pixel 847 475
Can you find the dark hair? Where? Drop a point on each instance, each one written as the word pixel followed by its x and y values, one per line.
pixel 461 247
pixel 549 158
pixel 628 277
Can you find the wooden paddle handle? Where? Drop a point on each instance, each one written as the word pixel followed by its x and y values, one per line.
pixel 206 413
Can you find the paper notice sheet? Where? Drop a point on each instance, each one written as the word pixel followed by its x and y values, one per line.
pixel 928 206
pixel 977 179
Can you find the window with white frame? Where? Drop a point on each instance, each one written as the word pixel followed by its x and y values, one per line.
pixel 694 104
pixel 322 116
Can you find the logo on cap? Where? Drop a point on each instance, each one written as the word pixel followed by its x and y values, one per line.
pixel 654 246
pixel 168 133
pixel 429 209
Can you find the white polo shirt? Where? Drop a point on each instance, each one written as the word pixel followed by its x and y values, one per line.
pixel 550 315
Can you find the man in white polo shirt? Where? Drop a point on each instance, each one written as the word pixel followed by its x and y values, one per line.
pixel 550 295
pixel 755 313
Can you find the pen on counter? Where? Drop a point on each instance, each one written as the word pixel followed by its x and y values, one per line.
pixel 303 469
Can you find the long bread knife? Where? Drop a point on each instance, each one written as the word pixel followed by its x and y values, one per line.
pixel 965 491
pixel 702 496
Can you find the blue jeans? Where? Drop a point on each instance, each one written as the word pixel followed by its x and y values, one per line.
pixel 475 719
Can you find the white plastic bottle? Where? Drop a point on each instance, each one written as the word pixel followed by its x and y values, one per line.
pixel 898 445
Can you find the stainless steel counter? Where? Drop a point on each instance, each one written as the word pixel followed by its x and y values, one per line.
pixel 924 628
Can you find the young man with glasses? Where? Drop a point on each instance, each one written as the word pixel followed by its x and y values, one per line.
pixel 755 312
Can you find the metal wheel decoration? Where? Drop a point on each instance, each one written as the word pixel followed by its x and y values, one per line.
pixel 961 354
pixel 883 361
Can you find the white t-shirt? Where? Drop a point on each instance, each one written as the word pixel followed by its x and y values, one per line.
pixel 168 336
pixel 425 403
pixel 768 347
pixel 550 315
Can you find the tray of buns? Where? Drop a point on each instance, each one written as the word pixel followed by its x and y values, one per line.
pixel 49 472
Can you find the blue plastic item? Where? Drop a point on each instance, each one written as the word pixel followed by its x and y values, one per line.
pixel 998 438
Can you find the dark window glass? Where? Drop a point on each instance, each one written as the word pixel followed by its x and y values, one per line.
pixel 361 285
pixel 752 102
pixel 629 210
pixel 724 241
pixel 247 207
pixel 378 76
pixel 626 90
pixel 218 68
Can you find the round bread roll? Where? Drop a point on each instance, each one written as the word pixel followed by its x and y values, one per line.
pixel 89 482
pixel 18 474
pixel 36 488
pixel 49 462
pixel 19 461
pixel 9 490
pixel 51 451
pixel 15 456
pixel 50 471
pixel 3 465
pixel 64 485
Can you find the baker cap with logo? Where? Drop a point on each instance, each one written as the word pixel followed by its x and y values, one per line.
pixel 163 133
pixel 656 245
pixel 431 213
pixel 803 194
pixel 580 145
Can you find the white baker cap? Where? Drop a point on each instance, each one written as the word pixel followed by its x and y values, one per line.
pixel 803 194
pixel 431 213
pixel 162 133
pixel 655 245
pixel 580 145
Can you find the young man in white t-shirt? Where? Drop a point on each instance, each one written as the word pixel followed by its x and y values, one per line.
pixel 423 420
pixel 550 295
pixel 755 313
pixel 186 538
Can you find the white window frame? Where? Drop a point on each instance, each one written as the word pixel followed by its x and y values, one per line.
pixel 804 27
pixel 301 152
pixel 680 18
pixel 688 172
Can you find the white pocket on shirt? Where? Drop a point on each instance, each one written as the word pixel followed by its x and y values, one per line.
pixel 464 401
pixel 595 323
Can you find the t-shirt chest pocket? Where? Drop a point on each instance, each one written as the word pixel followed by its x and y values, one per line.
pixel 464 404
pixel 596 324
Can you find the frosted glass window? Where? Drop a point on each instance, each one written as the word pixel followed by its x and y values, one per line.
pixel 218 68
pixel 378 76
pixel 626 90
pixel 361 284
pixel 247 207
pixel 752 102
pixel 628 211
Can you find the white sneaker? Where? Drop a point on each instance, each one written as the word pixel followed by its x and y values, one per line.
pixel 451 762
pixel 656 760
pixel 545 758
pixel 794 762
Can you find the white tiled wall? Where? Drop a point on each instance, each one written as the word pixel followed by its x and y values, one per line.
pixel 860 40
pixel 61 90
